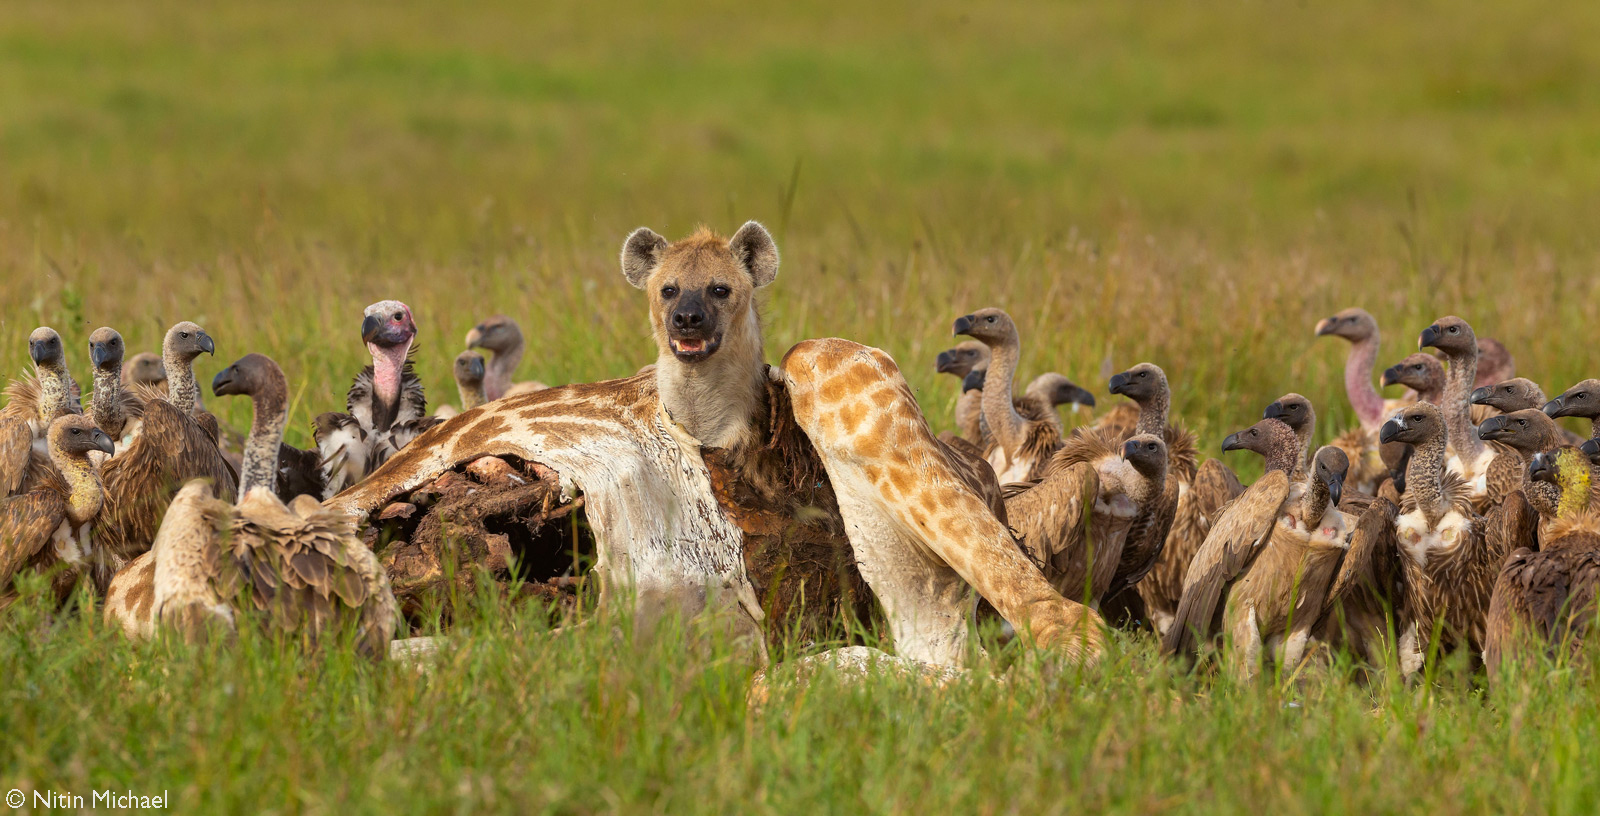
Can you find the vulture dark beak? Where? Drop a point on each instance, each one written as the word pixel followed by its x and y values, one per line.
pixel 1542 468
pixel 1390 430
pixel 1119 382
pixel 1074 395
pixel 1493 428
pixel 99 354
pixel 1591 449
pixel 1335 487
pixel 1556 408
pixel 475 337
pixel 35 352
pixel 963 324
pixel 1430 336
pixel 369 328
pixel 223 385
pixel 102 442
pixel 1324 326
pixel 1481 396
pixel 974 380
pixel 941 364
pixel 1274 411
pixel 1391 376
pixel 208 345
pixel 1232 443
pixel 475 369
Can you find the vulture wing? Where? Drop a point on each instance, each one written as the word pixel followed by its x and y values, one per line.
pixel 16 444
pixel 1052 517
pixel 1372 561
pixel 26 524
pixel 171 450
pixel 1234 541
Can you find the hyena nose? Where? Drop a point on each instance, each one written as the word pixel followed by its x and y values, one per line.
pixel 688 319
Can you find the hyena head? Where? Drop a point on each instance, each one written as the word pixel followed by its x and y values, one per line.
pixel 703 314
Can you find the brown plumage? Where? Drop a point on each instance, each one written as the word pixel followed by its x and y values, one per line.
pixel 116 410
pixel 1581 400
pixel 32 404
pixel 1270 560
pixel 1521 434
pixel 1451 555
pixel 468 371
pixel 1075 521
pixel 1368 593
pixel 146 369
pixel 1037 404
pixel 172 448
pixel 49 525
pixel 502 337
pixel 1544 601
pixel 1024 446
pixel 1454 338
pixel 1517 394
pixel 1200 503
pixel 298 569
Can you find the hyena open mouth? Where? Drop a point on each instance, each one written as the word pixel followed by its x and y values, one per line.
pixel 694 349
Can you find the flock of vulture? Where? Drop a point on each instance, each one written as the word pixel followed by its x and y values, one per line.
pixel 1459 516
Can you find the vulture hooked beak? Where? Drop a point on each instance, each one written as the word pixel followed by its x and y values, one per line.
pixel 974 380
pixel 963 324
pixel 941 364
pixel 1391 376
pixel 1430 336
pixel 1325 326
pixel 1274 411
pixel 102 442
pixel 37 352
pixel 381 330
pixel 369 328
pixel 1553 408
pixel 208 345
pixel 1481 396
pixel 474 337
pixel 1075 396
pixel 1119 382
pixel 1390 430
pixel 100 354
pixel 1542 468
pixel 225 384
pixel 1335 487
pixel 1591 449
pixel 1493 428
pixel 1232 443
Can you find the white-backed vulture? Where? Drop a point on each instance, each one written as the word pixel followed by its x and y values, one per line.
pixel 298 569
pixel 469 372
pixel 1544 599
pixel 1455 339
pixel 1581 400
pixel 48 526
pixel 173 447
pixel 1023 447
pixel 502 337
pixel 1522 433
pixel 968 361
pixel 116 410
pixel 1360 329
pixel 1075 521
pixel 1450 554
pixel 32 404
pixel 146 369
pixel 1420 372
pixel 1359 446
pixel 1266 569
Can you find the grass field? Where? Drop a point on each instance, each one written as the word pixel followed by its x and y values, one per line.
pixel 1191 184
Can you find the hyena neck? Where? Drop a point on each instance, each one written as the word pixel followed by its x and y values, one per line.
pixel 718 400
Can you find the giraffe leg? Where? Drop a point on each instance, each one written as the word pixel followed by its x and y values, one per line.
pixel 906 507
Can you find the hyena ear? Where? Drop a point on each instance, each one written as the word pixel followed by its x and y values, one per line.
pixel 754 248
pixel 640 254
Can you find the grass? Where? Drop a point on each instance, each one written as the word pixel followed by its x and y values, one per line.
pixel 1191 184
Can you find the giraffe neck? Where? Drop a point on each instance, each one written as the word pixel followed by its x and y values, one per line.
pixel 1004 421
pixel 260 466
pixel 84 493
pixel 106 405
pixel 502 367
pixel 1424 476
pixel 1457 407
pixel 1153 413
pixel 1364 398
pixel 182 391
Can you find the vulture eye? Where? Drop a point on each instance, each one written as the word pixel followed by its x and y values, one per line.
pixel 721 291
pixel 1143 374
pixel 669 292
pixel 76 431
pixel 184 335
pixel 1454 330
pixel 990 318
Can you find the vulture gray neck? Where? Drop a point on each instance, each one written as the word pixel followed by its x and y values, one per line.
pixel 182 391
pixel 106 404
pixel 1153 414
pixel 271 413
pixel 1424 475
pixel 1459 383
pixel 1315 502
pixel 502 367
pixel 1004 421
pixel 55 390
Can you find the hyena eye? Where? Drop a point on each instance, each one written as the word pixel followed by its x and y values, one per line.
pixel 669 292
pixel 721 291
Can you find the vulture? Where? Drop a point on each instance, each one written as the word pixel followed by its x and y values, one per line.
pixel 344 451
pixel 116 410
pixel 1517 394
pixel 1160 548
pixel 1495 363
pixel 468 371
pixel 969 361
pixel 1023 447
pixel 1454 338
pixel 1422 373
pixel 1269 564
pixel 1366 465
pixel 1075 521
pixel 173 447
pixel 1544 598
pixel 145 369
pixel 1581 400
pixel 32 404
pixel 1523 433
pixel 502 338
pixel 47 528
pixel 386 397
pixel 1450 555
pixel 297 569
pixel 1360 329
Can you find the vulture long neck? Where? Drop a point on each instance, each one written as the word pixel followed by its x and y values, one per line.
pixel 1004 421
pixel 84 492
pixel 1302 440
pixel 106 405
pixel 271 413
pixel 1282 457
pixel 1314 504
pixel 55 391
pixel 1424 475
pixel 1458 385
pixel 472 395
pixel 497 379
pixel 1153 413
pixel 182 391
pixel 388 366
pixel 1364 398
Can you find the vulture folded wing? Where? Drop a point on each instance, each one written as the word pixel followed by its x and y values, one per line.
pixel 26 524
pixel 16 444
pixel 1372 561
pixel 1234 541
pixel 171 450
pixel 1053 516
pixel 1511 525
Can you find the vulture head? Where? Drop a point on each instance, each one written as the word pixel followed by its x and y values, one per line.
pixel 1056 389
pixel 966 357
pixel 1420 372
pixel 498 334
pixel 105 349
pixel 388 324
pixel 1292 410
pixel 252 375
pixel 1527 430
pixel 469 369
pixel 1353 324
pixel 1147 453
pixel 44 347
pixel 76 434
pixel 1330 467
pixel 1591 449
pixel 974 380
pixel 144 368
pixel 1581 400
pixel 1141 383
pixel 1272 439
pixel 1495 362
pixel 992 326
pixel 186 341
pixel 1414 425
pixel 1450 335
pixel 1567 468
pixel 1510 395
